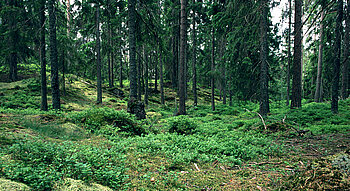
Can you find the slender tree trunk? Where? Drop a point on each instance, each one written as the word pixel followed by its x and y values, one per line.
pixel 13 41
pixel 264 83
pixel 99 77
pixel 296 83
pixel 138 77
pixel 336 66
pixel 289 52
pixel 213 70
pixel 230 92
pixel 345 69
pixel 109 58
pixel 194 71
pixel 156 60
pixel 146 75
pixel 43 105
pixel 55 86
pixel 162 101
pixel 132 49
pixel 223 69
pixel 319 63
pixel 121 72
pixel 63 61
pixel 182 64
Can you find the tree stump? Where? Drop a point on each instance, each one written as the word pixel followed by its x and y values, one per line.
pixel 136 107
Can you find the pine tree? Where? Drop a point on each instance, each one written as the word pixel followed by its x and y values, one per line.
pixel 296 70
pixel 182 63
pixel 264 94
pixel 43 105
pixel 98 60
pixel 336 65
pixel 53 56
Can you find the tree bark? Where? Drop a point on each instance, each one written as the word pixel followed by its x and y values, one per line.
pixel 138 77
pixel 182 64
pixel 296 70
pixel 99 76
pixel 132 49
pixel 146 75
pixel 336 65
pixel 13 41
pixel 319 63
pixel 345 69
pixel 162 101
pixel 289 51
pixel 194 71
pixel 264 93
pixel 213 70
pixel 43 105
pixel 53 57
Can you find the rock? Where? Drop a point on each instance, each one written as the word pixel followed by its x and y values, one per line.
pixel 11 185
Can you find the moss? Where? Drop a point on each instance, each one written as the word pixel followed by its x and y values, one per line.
pixel 79 185
pixel 12 186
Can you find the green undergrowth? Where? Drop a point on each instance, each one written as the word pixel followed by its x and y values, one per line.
pixel 86 146
pixel 40 164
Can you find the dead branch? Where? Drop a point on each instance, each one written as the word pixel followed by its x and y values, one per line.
pixel 262 119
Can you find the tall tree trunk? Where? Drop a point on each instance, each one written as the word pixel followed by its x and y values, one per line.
pixel 182 64
pixel 162 101
pixel 110 48
pixel 63 65
pixel 99 76
pixel 43 105
pixel 264 81
pixel 296 82
pixel 223 69
pixel 319 63
pixel 230 92
pixel 55 86
pixel 121 71
pixel 336 66
pixel 139 77
pixel 132 49
pixel 212 70
pixel 194 71
pixel 345 69
pixel 13 40
pixel 156 60
pixel 146 75
pixel 289 52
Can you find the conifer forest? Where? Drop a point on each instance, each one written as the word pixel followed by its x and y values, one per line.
pixel 174 95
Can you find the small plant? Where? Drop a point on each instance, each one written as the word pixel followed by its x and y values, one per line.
pixel 182 125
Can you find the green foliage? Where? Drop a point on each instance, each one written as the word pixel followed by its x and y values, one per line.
pixel 210 143
pixel 107 121
pixel 40 163
pixel 20 99
pixel 182 125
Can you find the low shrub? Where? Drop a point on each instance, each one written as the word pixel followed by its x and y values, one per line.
pixel 182 125
pixel 96 118
pixel 39 164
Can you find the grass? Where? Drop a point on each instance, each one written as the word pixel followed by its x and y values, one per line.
pixel 226 149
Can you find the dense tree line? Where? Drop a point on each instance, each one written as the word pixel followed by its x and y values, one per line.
pixel 225 45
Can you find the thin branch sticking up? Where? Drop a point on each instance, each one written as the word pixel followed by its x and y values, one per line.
pixel 262 119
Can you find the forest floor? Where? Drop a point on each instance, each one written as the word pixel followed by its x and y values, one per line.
pixel 90 147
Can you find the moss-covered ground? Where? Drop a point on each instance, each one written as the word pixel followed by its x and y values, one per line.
pixel 99 147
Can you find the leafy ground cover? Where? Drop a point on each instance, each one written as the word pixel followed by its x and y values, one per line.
pixel 92 147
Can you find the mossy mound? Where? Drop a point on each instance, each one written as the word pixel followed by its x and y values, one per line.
pixel 79 185
pixel 327 173
pixel 12 186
